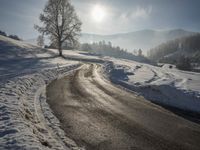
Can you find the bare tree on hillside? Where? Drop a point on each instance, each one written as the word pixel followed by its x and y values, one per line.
pixel 40 41
pixel 60 23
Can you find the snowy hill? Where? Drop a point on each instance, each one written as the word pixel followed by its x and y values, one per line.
pixel 14 49
pixel 17 56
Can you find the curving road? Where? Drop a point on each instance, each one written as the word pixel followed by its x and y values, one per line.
pixel 101 116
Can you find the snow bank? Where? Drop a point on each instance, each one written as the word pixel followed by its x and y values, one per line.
pixel 26 121
pixel 166 86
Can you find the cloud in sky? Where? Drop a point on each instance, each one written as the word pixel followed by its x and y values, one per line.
pixel 137 13
pixel 142 12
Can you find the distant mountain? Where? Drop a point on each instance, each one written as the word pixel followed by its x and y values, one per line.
pixel 144 39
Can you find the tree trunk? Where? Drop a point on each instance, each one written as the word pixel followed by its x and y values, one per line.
pixel 60 52
pixel 60 49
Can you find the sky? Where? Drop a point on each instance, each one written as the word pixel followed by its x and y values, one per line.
pixel 105 16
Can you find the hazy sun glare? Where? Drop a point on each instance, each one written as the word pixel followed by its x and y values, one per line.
pixel 98 13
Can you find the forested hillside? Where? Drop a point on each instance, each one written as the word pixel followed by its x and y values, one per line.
pixel 170 52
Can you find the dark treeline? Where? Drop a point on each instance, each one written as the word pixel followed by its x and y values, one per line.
pixel 188 47
pixel 106 49
pixel 183 52
pixel 15 37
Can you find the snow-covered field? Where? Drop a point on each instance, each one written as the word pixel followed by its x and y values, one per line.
pixel 162 85
pixel 26 121
pixel 18 58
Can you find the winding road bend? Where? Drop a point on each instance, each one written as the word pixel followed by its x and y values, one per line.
pixel 100 116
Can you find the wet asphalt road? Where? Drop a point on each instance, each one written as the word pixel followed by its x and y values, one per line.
pixel 100 116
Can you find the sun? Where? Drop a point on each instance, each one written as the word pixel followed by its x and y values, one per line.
pixel 98 13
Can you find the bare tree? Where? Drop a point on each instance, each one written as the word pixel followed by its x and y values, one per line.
pixel 135 52
pixel 139 52
pixel 60 23
pixel 40 41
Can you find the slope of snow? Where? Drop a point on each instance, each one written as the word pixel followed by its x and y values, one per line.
pixel 19 58
pixel 26 120
pixel 170 87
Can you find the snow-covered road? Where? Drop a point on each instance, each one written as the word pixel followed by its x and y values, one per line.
pixel 98 115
